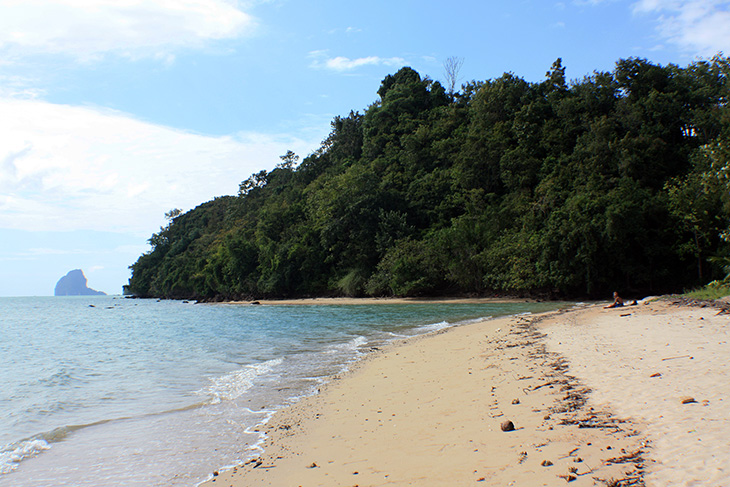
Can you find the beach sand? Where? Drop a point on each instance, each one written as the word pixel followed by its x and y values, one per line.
pixel 643 362
pixel 579 386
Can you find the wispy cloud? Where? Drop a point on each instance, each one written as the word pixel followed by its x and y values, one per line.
pixel 346 30
pixel 78 168
pixel 88 29
pixel 321 60
pixel 700 27
pixel 581 3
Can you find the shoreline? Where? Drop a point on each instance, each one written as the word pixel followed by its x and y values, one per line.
pixel 428 410
pixel 369 301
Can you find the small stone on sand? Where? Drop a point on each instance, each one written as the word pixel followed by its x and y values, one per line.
pixel 688 400
pixel 507 426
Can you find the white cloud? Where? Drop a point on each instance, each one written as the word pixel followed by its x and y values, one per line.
pixel 700 27
pixel 66 168
pixel 581 3
pixel 86 29
pixel 320 60
pixel 347 30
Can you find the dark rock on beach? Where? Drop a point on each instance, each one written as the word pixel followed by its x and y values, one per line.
pixel 507 426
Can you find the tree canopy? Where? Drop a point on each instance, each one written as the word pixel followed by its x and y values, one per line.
pixel 615 181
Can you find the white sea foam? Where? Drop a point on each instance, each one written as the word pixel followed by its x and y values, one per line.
pixel 11 455
pixel 352 345
pixel 476 320
pixel 433 327
pixel 441 325
pixel 235 384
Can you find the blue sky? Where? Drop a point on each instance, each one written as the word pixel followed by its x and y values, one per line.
pixel 115 111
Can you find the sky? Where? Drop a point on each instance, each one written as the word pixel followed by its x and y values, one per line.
pixel 113 112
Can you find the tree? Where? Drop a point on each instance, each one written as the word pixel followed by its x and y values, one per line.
pixel 170 215
pixel 556 76
pixel 452 67
pixel 256 180
pixel 288 160
pixel 618 180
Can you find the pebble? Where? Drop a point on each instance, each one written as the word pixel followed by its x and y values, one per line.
pixel 688 400
pixel 507 426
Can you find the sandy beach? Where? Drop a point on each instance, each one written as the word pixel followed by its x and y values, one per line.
pixel 630 396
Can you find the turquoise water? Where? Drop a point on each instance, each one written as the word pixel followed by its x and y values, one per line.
pixel 107 391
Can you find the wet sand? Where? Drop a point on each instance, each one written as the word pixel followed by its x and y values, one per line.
pixel 579 386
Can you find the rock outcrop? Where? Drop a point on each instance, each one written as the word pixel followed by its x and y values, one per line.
pixel 74 284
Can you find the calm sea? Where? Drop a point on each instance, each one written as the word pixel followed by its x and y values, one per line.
pixel 107 391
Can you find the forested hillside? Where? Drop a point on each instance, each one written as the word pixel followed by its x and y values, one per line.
pixel 616 181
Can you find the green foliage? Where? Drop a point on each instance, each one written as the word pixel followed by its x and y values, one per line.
pixel 411 268
pixel 713 290
pixel 620 180
pixel 351 284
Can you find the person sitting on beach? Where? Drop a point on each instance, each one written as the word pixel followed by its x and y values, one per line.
pixel 617 301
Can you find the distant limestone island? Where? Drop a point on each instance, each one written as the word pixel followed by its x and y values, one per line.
pixel 74 284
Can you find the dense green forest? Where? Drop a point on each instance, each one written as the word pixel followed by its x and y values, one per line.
pixel 615 181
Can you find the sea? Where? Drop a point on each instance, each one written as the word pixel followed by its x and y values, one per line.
pixel 108 391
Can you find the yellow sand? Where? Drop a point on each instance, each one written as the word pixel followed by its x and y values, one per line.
pixel 427 412
pixel 617 355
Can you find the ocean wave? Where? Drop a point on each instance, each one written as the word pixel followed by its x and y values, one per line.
pixel 475 320
pixel 350 346
pixel 11 455
pixel 235 384
pixel 432 327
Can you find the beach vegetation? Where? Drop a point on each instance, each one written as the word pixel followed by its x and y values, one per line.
pixel 616 181
pixel 711 291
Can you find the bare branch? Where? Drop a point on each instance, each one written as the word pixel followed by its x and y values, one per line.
pixel 452 67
